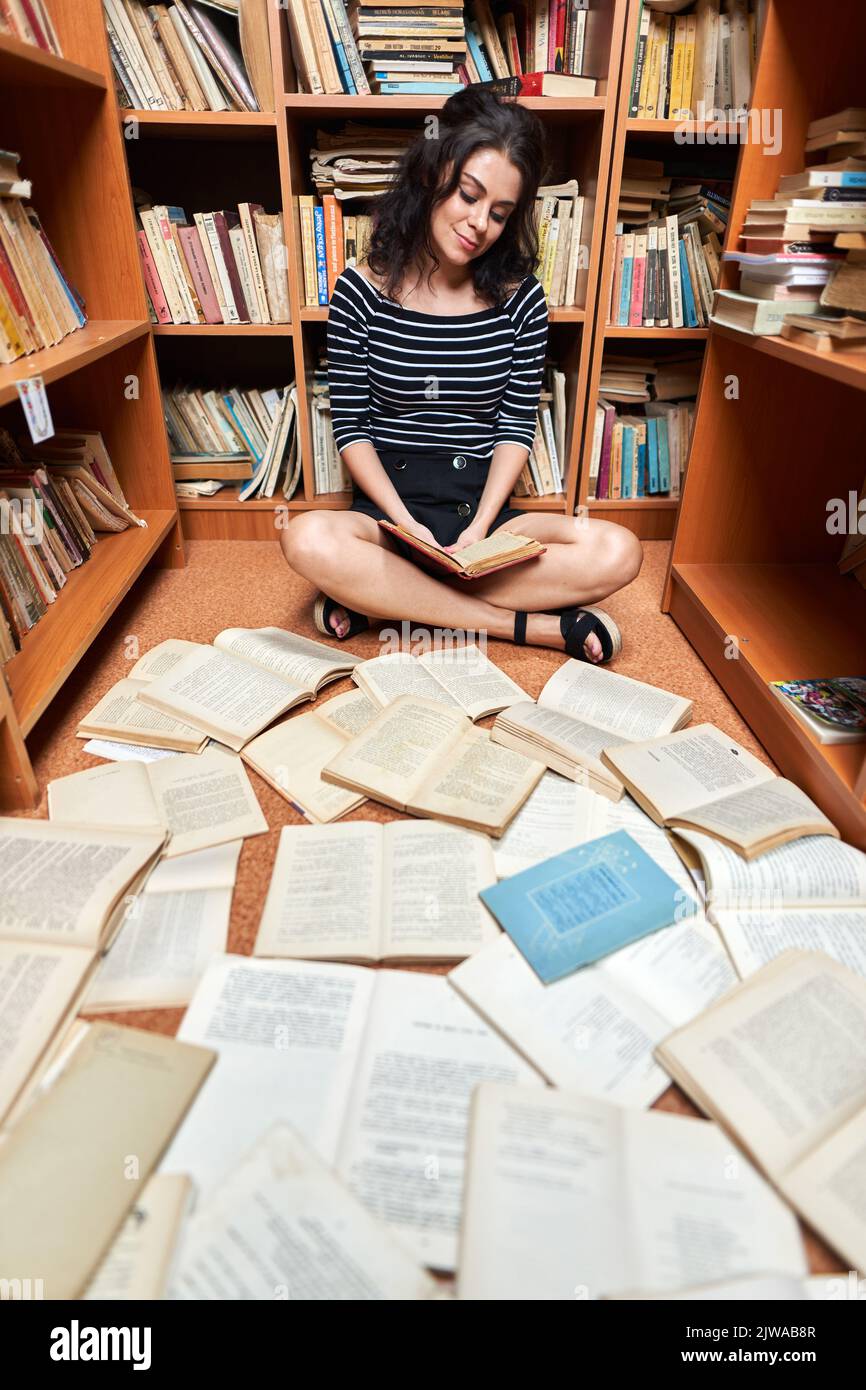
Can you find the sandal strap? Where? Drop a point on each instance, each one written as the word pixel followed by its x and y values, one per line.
pixel 576 625
pixel 520 629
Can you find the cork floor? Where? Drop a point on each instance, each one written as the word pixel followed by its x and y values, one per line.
pixel 248 584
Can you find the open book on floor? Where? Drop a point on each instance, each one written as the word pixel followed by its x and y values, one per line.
pixel 291 755
pixel 243 682
pixel 462 677
pixel 495 552
pixel 568 1197
pixel 407 890
pixel 809 894
pixel 423 758
pixel 780 1062
pixel 62 899
pixel 700 778
pixel 583 710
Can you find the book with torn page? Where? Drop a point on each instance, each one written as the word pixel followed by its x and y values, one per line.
pixel 243 682
pixel 407 890
pixel 594 1031
pixel 172 931
pixel 290 756
pixel 586 903
pixel 702 779
pixel 62 897
pixel 463 678
pixel 495 552
pixel 283 1225
pixel 780 1063
pixel 421 757
pixel 375 1068
pixel 197 800
pixel 66 1176
pixel 583 710
pixel 568 1197
pixel 809 894
pixel 139 1261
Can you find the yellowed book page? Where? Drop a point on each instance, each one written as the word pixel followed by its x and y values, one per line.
pixel 139 1261
pixel 479 783
pixel 560 734
pixel 37 983
pixel 433 875
pixel 470 678
pixel 384 678
pixel 325 900
pixel 121 715
pixel 349 713
pixel 81 1154
pixel 110 796
pixel 556 816
pixel 205 800
pixel 817 871
pixel 403 746
pixel 305 664
pixel 616 703
pixel 291 757
pixel 827 1187
pixel 163 658
pixel 775 808
pixel 222 695
pixel 59 884
pixel 776 1058
pixel 305 1236
pixel 502 545
pixel 686 770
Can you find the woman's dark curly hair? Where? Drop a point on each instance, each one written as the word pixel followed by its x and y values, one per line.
pixel 470 120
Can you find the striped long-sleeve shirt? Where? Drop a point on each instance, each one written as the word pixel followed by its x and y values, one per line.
pixel 399 378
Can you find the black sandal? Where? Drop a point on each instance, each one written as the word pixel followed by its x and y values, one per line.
pixel 322 610
pixel 576 625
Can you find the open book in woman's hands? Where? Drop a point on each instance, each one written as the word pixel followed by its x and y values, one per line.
pixel 495 552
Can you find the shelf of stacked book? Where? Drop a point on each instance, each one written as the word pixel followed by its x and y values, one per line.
pixel 96 339
pixel 26 65
pixel 788 618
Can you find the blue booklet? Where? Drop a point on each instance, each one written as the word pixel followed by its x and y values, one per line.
pixel 585 903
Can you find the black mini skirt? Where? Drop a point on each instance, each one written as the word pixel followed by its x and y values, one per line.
pixel 442 491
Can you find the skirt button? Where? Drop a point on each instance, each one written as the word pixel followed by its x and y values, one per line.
pixel 463 509
pixel 458 461
pixel 399 463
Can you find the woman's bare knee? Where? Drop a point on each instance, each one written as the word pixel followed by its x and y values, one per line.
pixel 308 541
pixel 620 558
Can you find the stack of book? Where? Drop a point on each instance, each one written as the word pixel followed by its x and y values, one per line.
pixel 223 267
pixel 666 270
pixel 31 23
pixel 38 306
pixel 54 502
pixel 330 473
pixel 559 218
pixel 357 161
pixel 410 49
pixel 639 455
pixel 544 473
pixel 186 56
pixel 536 48
pixel 225 436
pixel 693 60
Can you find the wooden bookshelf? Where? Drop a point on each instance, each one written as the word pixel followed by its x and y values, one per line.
pixel 752 557
pixel 60 115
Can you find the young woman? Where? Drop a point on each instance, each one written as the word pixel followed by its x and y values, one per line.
pixel 436 348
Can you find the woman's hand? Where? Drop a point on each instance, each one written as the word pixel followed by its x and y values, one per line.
pixel 474 532
pixel 421 533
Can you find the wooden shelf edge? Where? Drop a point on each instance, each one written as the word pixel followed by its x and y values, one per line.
pixel 847 368
pixel 223 330
pixel 636 504
pixel 227 501
pixel 50 652
pixel 96 339
pixel 302 102
pixel 699 335
pixel 30 65
pixel 202 125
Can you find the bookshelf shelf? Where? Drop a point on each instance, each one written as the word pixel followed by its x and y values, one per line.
pixel 25 65
pixel 847 367
pixel 96 339
pixel 687 130
pixel 50 652
pixel 694 335
pixel 567 313
pixel 223 330
pixel 203 125
pixel 650 504
pixel 367 105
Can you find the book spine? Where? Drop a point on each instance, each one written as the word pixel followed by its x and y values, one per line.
pixel 650 307
pixel 638 281
pixel 165 226
pixel 690 317
pixel 214 241
pixel 200 274
pixel 674 279
pixel 321 260
pixel 325 61
pixel 639 61
pixel 625 286
pixel 247 211
pixel 222 228
pixel 356 67
pixel 662 305
pixel 152 281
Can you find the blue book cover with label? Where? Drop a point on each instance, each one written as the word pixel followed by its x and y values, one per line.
pixel 652 448
pixel 641 468
pixel 625 291
pixel 627 477
pixel 664 455
pixel 321 263
pixel 586 903
pixel 690 318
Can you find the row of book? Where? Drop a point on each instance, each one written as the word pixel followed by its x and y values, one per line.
pixel 55 501
pixel 330 473
pixel 544 473
pixel 30 21
pixel 233 435
pixel 38 304
pixel 639 455
pixel 221 267
pixel 664 277
pixel 696 63
pixel 189 56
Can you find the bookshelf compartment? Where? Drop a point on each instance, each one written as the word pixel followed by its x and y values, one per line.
pixel 76 351
pixel 204 175
pixel 26 65
pixel 198 125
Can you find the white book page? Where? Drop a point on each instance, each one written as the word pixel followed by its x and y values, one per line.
pixel 282 1226
pixel 815 871
pixel 827 1187
pixel 754 938
pixel 291 756
pixel 126 752
pixel 205 800
pixel 325 898
pixel 475 682
pixel 680 970
pixel 120 711
pixel 161 952
pixel 403 1143
pixel 383 678
pixel 545 1200
pixel 480 782
pixel 556 816
pixel 37 985
pixel 139 1260
pixel 627 815
pixel 433 874
pixel 585 1031
pixel 287 1034
pixel 208 868
pixel 686 770
pixel 222 695
pixel 406 742
pixel 110 797
pixel 697 1209
pixel 162 658
pixel 298 660
pixel 618 704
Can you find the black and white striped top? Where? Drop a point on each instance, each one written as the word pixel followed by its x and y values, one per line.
pixel 404 379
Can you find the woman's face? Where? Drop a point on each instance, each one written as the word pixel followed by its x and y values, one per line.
pixel 465 225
